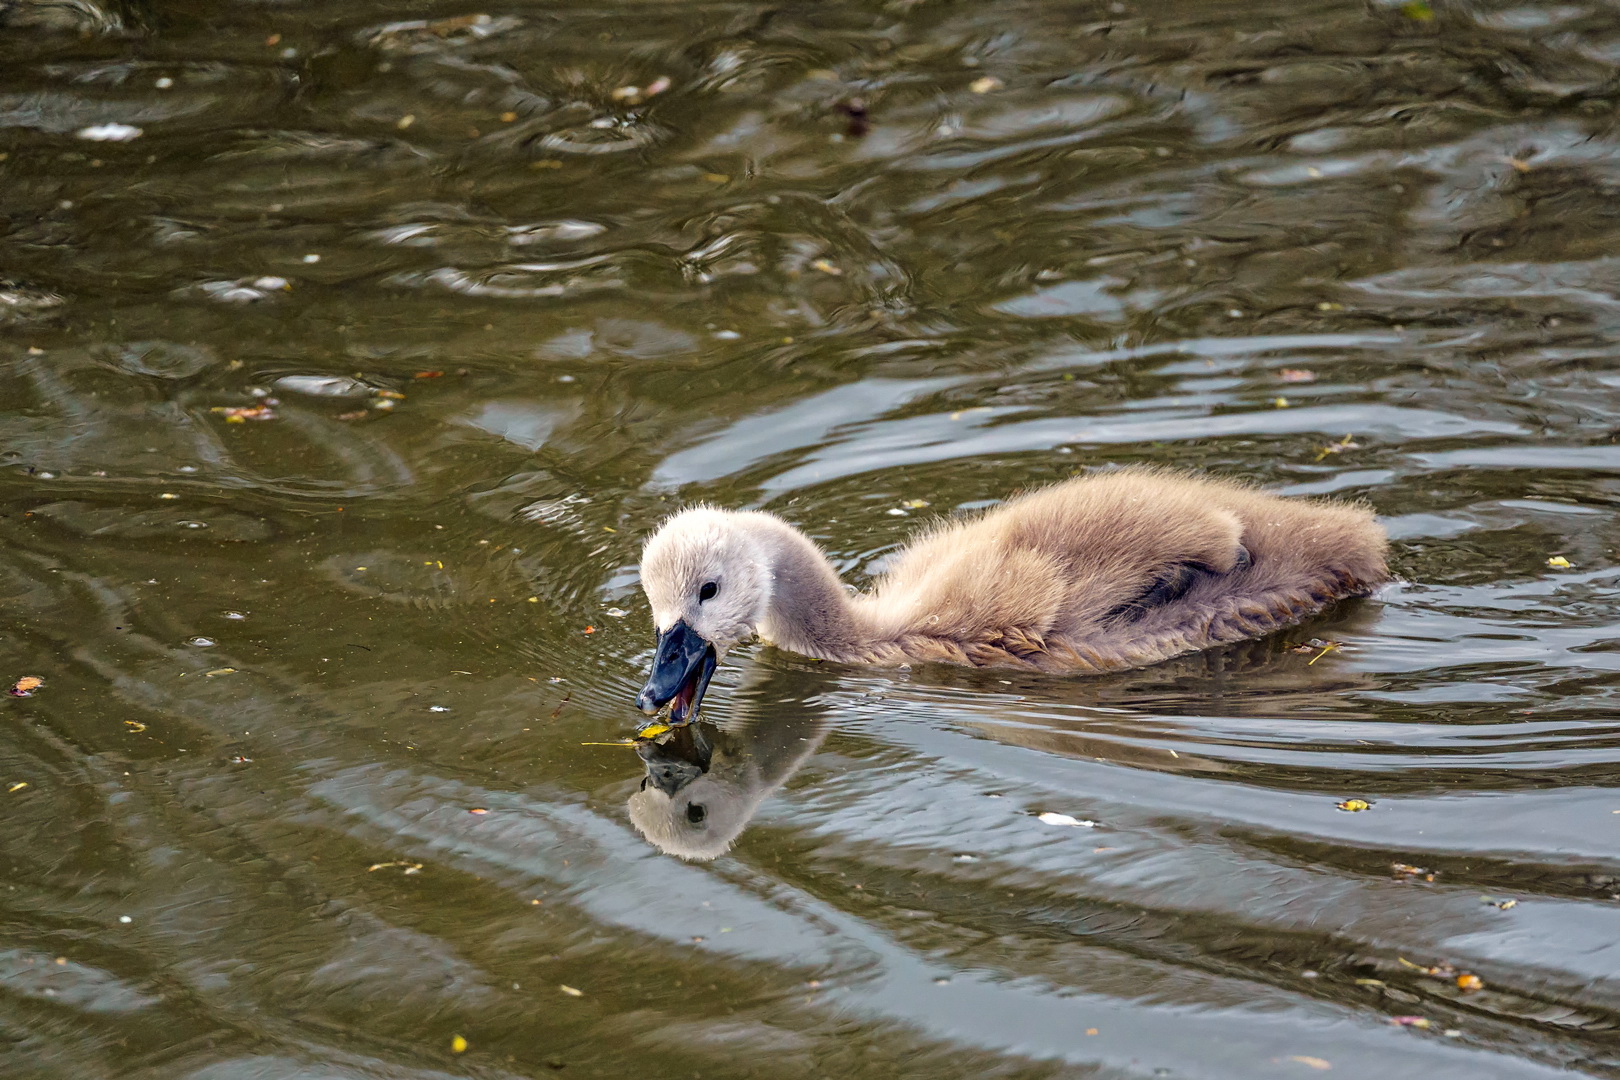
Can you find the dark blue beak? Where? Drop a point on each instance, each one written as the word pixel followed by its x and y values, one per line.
pixel 681 670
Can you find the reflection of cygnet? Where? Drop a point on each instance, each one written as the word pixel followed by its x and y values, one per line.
pixel 704 784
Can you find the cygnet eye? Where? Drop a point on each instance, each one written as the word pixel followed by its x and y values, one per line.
pixel 696 812
pixel 708 592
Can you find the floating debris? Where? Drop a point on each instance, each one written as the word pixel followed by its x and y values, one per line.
pixel 1051 818
pixel 1354 805
pixel 1502 905
pixel 135 726
pixel 219 671
pixel 1469 983
pixel 458 1045
pixel 985 84
pixel 18 786
pixel 1327 647
pixel 1320 1064
pixel 338 386
pixel 652 731
pixel 1438 971
pixel 1315 645
pixel 570 991
pixel 1346 443
pixel 25 686
pixel 1559 562
pixel 240 414
pixel 109 132
pixel 1422 1023
pixel 1408 872
pixel 409 867
pixel 1296 375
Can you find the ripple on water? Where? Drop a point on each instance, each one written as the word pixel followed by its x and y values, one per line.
pixel 858 267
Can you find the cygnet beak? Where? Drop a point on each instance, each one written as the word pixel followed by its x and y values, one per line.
pixel 681 670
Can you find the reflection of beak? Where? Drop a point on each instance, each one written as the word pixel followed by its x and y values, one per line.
pixel 681 670
pixel 678 761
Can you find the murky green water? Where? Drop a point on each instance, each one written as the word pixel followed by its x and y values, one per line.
pixel 309 786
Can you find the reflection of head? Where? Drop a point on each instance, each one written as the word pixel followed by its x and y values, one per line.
pixel 704 784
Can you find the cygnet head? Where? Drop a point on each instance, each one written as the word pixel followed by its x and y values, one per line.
pixel 694 800
pixel 707 575
pixel 698 822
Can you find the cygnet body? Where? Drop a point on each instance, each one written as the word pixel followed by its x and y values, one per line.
pixel 1098 573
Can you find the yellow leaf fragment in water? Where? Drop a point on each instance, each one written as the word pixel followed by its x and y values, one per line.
pixel 1327 647
pixel 570 991
pixel 18 786
pixel 458 1045
pixel 652 731
pixel 1559 562
pixel 1354 805
pixel 219 671
pixel 1469 983
pixel 1440 971
pixel 1346 443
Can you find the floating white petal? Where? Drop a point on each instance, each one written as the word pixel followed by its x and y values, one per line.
pixel 109 132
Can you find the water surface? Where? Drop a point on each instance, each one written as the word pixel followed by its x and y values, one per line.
pixel 348 352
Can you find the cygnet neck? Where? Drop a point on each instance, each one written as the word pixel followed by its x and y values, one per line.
pixel 810 611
